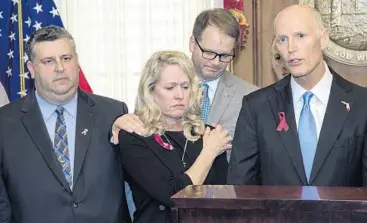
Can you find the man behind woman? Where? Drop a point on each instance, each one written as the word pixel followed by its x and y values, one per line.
pixel 176 149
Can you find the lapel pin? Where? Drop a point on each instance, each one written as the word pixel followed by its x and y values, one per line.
pixel 85 131
pixel 226 95
pixel 283 125
pixel 346 105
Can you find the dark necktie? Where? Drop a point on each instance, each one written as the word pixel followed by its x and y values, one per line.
pixel 61 145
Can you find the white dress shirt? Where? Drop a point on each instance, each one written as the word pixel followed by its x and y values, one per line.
pixel 213 85
pixel 319 101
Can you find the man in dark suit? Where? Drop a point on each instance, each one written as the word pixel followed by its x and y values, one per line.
pixel 56 160
pixel 310 127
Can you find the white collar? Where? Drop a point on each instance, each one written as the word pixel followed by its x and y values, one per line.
pixel 321 90
pixel 213 84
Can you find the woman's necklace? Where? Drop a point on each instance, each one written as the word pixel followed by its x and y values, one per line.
pixel 184 150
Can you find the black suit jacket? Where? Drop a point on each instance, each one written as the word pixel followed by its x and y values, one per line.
pixel 262 155
pixel 155 174
pixel 36 187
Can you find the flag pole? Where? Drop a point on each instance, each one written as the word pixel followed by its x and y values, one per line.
pixel 21 50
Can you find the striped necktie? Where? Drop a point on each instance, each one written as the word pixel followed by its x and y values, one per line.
pixel 61 145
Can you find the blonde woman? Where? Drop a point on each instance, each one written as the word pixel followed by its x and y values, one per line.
pixel 176 149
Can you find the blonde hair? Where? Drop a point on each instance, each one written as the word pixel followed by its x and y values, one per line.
pixel 150 113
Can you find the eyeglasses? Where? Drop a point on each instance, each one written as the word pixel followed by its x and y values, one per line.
pixel 210 55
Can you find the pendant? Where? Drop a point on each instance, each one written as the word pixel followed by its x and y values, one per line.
pixel 184 163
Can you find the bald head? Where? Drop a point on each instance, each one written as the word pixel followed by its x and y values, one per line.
pixel 304 12
pixel 300 38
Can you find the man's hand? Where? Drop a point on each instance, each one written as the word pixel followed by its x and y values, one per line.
pixel 130 123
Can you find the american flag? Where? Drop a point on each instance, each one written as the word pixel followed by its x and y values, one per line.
pixel 18 19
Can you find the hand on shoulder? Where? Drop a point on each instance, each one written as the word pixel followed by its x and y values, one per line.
pixel 128 122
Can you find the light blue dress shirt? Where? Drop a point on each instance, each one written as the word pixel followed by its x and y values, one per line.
pixel 49 117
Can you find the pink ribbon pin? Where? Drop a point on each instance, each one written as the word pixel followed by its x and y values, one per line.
pixel 283 125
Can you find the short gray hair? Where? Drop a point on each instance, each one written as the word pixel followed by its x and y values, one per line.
pixel 47 33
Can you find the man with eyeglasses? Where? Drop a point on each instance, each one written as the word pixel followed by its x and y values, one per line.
pixel 214 40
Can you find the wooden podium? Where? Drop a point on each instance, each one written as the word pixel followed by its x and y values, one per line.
pixel 269 204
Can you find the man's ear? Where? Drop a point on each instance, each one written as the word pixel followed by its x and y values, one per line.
pixel 192 44
pixel 324 38
pixel 30 67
